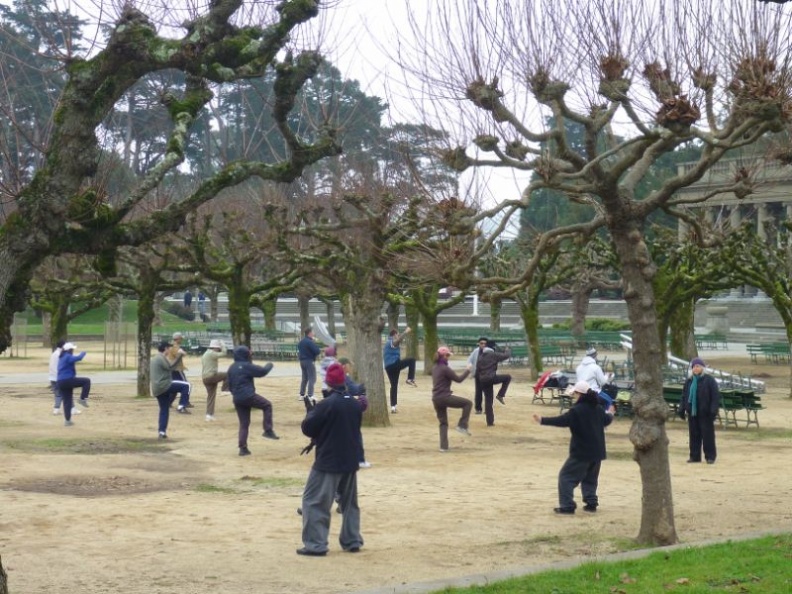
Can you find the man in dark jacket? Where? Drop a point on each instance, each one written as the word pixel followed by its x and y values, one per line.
pixel 586 421
pixel 700 402
pixel 243 390
pixel 488 376
pixel 334 427
pixel 307 352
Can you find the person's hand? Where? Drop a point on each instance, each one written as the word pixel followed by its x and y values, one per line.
pixel 407 330
pixel 469 367
pixel 611 410
pixel 537 418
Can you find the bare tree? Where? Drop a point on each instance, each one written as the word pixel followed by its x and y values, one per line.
pixel 664 74
pixel 64 207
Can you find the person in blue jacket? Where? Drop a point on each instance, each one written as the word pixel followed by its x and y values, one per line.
pixel 240 379
pixel 307 352
pixel 68 380
pixel 334 427
pixel 393 363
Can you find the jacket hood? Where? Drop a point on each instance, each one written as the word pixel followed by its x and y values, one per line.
pixel 241 353
pixel 588 361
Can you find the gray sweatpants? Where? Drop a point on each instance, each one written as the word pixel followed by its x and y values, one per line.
pixel 317 507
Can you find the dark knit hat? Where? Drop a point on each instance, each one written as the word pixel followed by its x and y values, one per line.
pixel 335 375
pixel 698 361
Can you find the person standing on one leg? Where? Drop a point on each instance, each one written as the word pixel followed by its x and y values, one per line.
pixel 334 428
pixel 391 357
pixel 163 387
pixel 241 377
pixel 700 402
pixel 487 372
pixel 586 421
pixel 472 362
pixel 68 380
pixel 211 376
pixel 53 375
pixel 176 356
pixel 307 352
pixel 443 398
pixel 358 392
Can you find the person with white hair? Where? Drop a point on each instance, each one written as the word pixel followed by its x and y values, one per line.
pixel 586 421
pixel 211 376
pixel 68 380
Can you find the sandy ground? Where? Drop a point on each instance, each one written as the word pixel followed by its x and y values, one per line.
pixel 104 507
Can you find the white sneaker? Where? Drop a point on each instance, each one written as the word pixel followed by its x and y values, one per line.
pixel 210 418
pixel 365 464
pixel 300 397
pixel 55 411
pixel 76 411
pixel 463 430
pixel 393 410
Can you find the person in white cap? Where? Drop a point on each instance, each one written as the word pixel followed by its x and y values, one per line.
pixel 443 398
pixel 586 421
pixel 68 380
pixel 211 376
pixel 590 371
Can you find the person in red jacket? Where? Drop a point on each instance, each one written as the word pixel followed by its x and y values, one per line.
pixel 586 421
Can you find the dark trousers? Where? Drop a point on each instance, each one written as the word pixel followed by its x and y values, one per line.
pixel 184 398
pixel 477 393
pixel 441 406
pixel 66 388
pixel 393 371
pixel 308 371
pixel 701 432
pixel 243 409
pixel 576 472
pixel 165 401
pixel 487 388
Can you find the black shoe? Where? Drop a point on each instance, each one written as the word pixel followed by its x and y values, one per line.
pixel 299 511
pixel 270 434
pixel 163 435
pixel 592 509
pixel 564 510
pixel 244 452
pixel 308 553
pixel 353 550
pixel 501 399
pixel 182 410
pixel 692 461
pixel 478 412
pixel 710 461
pixel 188 405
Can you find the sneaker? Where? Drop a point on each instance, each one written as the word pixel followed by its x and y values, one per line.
pixel 83 402
pixel 479 412
pixel 162 435
pixel 411 382
pixel 76 411
pixel 592 509
pixel 188 405
pixel 68 423
pixel 566 511
pixel 364 464
pixel 463 430
pixel 393 410
pixel 443 450
pixel 55 411
pixel 301 397
pixel 270 434
pixel 500 399
pixel 309 553
pixel 183 410
pixel 710 461
pixel 353 550
pixel 210 417
pixel 244 452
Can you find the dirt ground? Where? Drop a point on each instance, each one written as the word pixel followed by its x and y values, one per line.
pixel 104 507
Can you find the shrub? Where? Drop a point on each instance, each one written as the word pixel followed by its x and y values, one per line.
pixel 177 309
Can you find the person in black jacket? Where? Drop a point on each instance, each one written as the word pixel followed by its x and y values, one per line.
pixel 488 376
pixel 243 390
pixel 700 403
pixel 334 427
pixel 586 421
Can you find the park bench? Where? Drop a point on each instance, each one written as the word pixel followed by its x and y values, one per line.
pixel 731 404
pixel 752 405
pixel 672 394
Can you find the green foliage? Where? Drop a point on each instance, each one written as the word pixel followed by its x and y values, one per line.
pixel 597 324
pixel 759 566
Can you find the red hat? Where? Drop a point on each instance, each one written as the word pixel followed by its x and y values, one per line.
pixel 335 375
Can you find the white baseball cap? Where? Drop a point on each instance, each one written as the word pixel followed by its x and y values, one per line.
pixel 69 346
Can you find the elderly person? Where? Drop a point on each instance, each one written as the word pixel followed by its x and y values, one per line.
pixel 211 376
pixel 700 403
pixel 443 398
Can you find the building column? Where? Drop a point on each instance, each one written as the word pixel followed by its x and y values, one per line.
pixel 735 219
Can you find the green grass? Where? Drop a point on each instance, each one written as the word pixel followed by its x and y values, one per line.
pixel 759 566
pixel 274 482
pixel 204 488
pixel 85 446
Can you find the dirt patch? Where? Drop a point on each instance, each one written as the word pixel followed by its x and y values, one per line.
pixel 138 516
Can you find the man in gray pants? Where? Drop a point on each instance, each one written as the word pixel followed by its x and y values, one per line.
pixel 334 428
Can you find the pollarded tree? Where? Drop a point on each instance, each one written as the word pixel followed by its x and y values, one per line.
pixel 65 207
pixel 666 74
